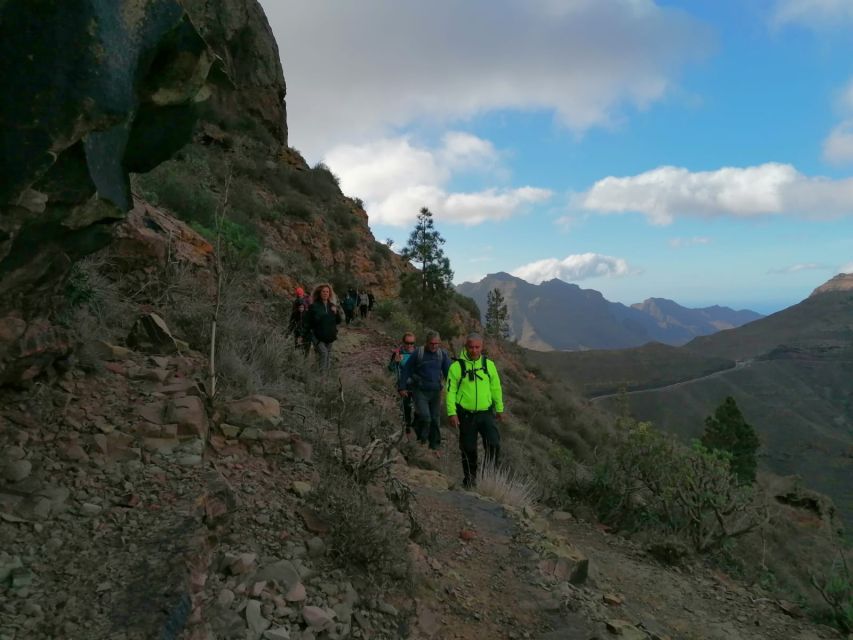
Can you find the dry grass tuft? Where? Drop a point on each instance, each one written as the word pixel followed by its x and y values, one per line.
pixel 505 486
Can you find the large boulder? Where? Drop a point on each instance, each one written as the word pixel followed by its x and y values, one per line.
pixel 90 90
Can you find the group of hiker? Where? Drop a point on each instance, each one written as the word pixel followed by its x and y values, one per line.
pixel 473 400
pixel 314 319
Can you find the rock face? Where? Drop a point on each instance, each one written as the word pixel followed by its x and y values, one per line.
pixel 239 33
pixel 132 79
pixel 119 98
pixel 841 282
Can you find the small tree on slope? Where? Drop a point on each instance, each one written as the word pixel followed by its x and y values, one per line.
pixel 727 431
pixel 427 291
pixel 497 316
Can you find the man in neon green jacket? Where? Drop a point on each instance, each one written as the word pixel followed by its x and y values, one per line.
pixel 474 401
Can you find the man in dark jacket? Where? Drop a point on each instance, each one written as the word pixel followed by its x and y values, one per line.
pixel 423 375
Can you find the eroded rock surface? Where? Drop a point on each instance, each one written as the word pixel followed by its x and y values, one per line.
pixel 124 95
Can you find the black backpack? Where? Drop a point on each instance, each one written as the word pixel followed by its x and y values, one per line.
pixel 463 367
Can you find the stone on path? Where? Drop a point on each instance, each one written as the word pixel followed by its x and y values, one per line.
pixel 625 630
pixel 255 619
pixel 317 618
pixel 18 470
pixel 283 572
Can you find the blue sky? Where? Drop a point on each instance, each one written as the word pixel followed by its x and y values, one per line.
pixel 700 151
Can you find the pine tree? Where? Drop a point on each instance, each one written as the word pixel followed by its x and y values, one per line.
pixel 497 316
pixel 427 290
pixel 728 431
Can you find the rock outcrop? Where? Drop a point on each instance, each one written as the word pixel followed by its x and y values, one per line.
pixel 91 91
pixel 841 282
pixel 133 78
pixel 239 33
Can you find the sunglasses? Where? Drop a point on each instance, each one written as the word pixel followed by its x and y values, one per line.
pixel 406 342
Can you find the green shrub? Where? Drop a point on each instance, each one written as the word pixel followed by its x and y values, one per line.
pixel 341 215
pixel 295 205
pixel 322 169
pixel 350 240
pixel 318 182
pixel 362 536
pixel 181 188
pixel 728 431
pixel 646 480
pixel 468 305
pixel 836 588
pixel 244 204
pixel 238 241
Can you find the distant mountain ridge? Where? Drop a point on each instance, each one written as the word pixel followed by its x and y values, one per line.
pixel 557 315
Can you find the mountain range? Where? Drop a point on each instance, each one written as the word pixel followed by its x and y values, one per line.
pixel 557 315
pixel 791 373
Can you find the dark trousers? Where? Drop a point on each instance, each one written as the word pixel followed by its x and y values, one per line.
pixel 348 314
pixel 408 412
pixel 470 425
pixel 428 407
pixel 363 310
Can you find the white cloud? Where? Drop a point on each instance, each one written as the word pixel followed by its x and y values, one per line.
pixel 838 146
pixel 678 243
pixel 847 268
pixel 395 178
pixel 845 99
pixel 357 71
pixel 665 193
pixel 797 268
pixel 574 268
pixel 812 13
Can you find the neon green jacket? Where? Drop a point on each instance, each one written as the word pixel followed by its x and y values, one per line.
pixel 479 394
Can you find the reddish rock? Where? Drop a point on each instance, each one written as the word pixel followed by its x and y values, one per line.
pixel 189 414
pixel 254 411
pixel 313 522
pixel 301 449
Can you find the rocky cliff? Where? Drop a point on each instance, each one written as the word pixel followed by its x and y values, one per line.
pixel 119 98
pixel 137 81
pixel 841 282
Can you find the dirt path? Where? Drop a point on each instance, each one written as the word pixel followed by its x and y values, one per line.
pixel 484 581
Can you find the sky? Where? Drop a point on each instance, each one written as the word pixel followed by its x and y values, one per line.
pixel 697 150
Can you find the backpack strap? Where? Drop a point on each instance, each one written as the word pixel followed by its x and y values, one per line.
pixel 463 364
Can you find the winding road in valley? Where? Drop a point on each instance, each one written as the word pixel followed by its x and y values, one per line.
pixel 741 364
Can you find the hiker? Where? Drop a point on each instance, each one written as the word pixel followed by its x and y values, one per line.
pixel 348 305
pixel 371 300
pixel 363 304
pixel 321 323
pixel 474 401
pixel 297 321
pixel 297 317
pixel 398 360
pixel 423 377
